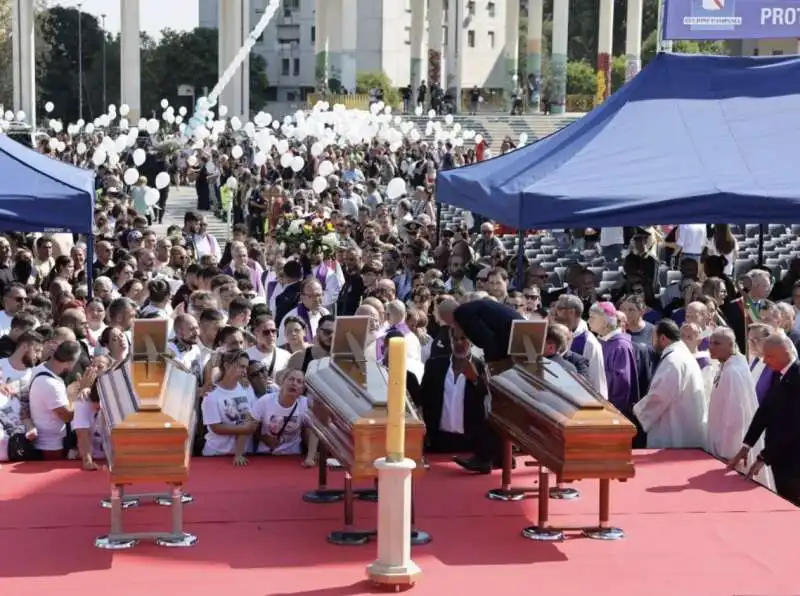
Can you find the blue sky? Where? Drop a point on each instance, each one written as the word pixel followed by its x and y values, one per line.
pixel 155 15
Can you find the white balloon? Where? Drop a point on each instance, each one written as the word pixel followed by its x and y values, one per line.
pixel 232 183
pixel 124 110
pixel 162 180
pixel 152 126
pixel 236 124
pixel 9 115
pixel 139 157
pixel 325 168
pixel 448 119
pixel 151 196
pixel 52 143
pixel 113 160
pixel 124 124
pixel 131 176
pixel 286 160
pixel 317 149
pixel 319 184
pixel 523 138
pixel 99 156
pixel 80 148
pixel 478 139
pixel 120 143
pixel 223 111
pixel 298 163
pixel 164 104
pixel 283 146
pixel 49 107
pixel 396 188
pixel 182 111
pixel 179 120
pixel 21 116
pixel 260 159
pixel 89 128
pixel 431 114
pixel 237 152
pixel 418 111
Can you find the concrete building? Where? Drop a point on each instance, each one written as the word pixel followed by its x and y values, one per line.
pixel 380 33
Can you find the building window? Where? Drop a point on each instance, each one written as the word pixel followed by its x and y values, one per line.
pixel 471 8
pixel 471 39
pixel 492 9
pixel 491 39
pixel 285 67
pixel 445 35
pixel 291 5
pixel 777 52
pixel 313 34
pixel 297 67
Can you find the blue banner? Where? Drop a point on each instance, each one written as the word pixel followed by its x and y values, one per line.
pixel 731 19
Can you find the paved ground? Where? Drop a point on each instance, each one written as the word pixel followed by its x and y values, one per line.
pixel 180 201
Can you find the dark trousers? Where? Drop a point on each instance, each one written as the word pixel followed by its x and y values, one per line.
pixel 787 486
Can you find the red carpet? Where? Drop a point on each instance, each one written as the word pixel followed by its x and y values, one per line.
pixel 692 529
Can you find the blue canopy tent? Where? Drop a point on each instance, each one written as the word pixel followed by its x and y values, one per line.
pixel 40 194
pixel 691 139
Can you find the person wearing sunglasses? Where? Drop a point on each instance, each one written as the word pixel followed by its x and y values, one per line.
pixel 266 350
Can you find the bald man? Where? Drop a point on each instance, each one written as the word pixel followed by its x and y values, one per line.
pixel 778 419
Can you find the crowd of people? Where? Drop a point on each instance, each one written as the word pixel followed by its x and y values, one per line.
pixel 333 223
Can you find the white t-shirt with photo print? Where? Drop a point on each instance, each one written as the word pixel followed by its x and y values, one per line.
pixel 10 422
pixel 225 406
pixel 18 379
pixel 273 415
pixel 87 417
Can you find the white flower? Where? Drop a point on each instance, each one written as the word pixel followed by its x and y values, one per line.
pixel 296 227
pixel 330 240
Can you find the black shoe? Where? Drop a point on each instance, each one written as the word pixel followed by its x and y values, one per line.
pixel 473 464
pixel 498 465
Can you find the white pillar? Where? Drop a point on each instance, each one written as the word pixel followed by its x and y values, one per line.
pixel 435 42
pixel 534 74
pixel 558 57
pixel 633 39
pixel 234 28
pixel 418 18
pixel 348 65
pixel 512 50
pixel 322 48
pixel 130 59
pixel 456 47
pixel 24 58
pixel 605 40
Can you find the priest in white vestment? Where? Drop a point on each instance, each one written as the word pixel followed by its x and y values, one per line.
pixel 733 402
pixel 673 411
pixel 569 312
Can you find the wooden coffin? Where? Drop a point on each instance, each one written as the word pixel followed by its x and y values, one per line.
pixel 349 414
pixel 149 418
pixel 562 422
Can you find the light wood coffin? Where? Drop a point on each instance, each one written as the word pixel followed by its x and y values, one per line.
pixel 149 415
pixel 349 414
pixel 562 422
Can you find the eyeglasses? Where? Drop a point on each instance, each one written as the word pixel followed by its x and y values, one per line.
pixel 269 331
pixel 257 371
pixel 324 331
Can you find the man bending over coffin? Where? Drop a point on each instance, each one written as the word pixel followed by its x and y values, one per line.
pixel 487 325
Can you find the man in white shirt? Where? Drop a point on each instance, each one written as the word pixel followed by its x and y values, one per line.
pixel 51 409
pixel 266 350
pixel 14 299
pixel 673 412
pixel 569 310
pixel 691 238
pixel 184 345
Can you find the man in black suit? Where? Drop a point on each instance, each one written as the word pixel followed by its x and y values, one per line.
pixel 290 297
pixel 453 397
pixel 779 417
pixel 555 348
pixel 487 325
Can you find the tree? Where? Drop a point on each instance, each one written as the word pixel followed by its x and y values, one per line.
pixel 371 80
pixel 581 78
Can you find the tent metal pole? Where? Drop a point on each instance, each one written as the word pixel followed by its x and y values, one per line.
pixel 762 228
pixel 520 281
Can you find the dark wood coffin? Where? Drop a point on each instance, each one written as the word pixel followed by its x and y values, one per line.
pixel 562 422
pixel 349 415
pixel 148 422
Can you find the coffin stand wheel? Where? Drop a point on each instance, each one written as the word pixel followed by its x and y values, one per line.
pixel 127 502
pixel 166 500
pixel 183 540
pixel 564 494
pixel 506 494
pixel 542 534
pixel 420 538
pixel 604 533
pixel 108 543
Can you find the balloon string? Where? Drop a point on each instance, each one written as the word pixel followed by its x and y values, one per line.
pixel 198 118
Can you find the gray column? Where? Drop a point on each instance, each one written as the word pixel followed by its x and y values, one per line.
pixel 321 48
pixel 534 74
pixel 130 59
pixel 558 57
pixel 416 75
pixel 435 41
pixel 512 49
pixel 605 40
pixel 348 64
pixel 633 39
pixel 234 28
pixel 24 59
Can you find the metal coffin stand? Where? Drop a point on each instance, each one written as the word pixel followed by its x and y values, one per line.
pixel 348 415
pixel 148 427
pixel 568 428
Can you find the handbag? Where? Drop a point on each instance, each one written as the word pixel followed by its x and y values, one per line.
pixel 20 448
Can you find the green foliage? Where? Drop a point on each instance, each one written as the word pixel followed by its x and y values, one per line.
pixel 178 58
pixel 370 80
pixel 618 72
pixel 581 79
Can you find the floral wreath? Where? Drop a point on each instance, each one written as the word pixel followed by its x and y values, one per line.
pixel 306 234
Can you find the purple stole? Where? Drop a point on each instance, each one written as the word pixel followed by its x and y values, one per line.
pixel 704 344
pixel 402 328
pixel 703 361
pixel 579 343
pixel 763 384
pixel 270 290
pixel 302 312
pixel 322 274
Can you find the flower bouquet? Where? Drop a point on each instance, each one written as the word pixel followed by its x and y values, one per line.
pixel 305 235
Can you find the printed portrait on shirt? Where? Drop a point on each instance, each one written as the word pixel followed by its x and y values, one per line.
pixel 236 409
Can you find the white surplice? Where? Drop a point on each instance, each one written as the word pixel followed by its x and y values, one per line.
pixel 731 409
pixel 593 352
pixel 674 410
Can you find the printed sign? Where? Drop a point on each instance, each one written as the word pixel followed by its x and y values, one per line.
pixel 731 19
